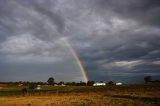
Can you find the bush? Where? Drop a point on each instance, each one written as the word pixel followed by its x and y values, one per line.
pixel 32 86
pixel 24 91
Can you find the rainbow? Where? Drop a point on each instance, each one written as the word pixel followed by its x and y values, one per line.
pixel 74 53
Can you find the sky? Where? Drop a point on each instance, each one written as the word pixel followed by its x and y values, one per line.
pixel 116 40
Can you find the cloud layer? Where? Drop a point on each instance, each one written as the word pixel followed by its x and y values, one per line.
pixel 115 40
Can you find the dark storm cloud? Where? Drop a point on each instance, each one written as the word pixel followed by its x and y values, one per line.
pixel 21 16
pixel 115 40
pixel 46 9
pixel 145 11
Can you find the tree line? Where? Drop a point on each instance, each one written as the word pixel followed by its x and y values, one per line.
pixel 51 81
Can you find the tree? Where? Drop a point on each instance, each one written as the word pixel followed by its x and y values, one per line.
pixel 24 91
pixel 50 81
pixel 73 83
pixel 32 86
pixel 81 83
pixel 111 83
pixel 147 79
pixel 61 83
pixel 90 83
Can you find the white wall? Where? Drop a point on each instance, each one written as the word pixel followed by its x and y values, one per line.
pixel 99 84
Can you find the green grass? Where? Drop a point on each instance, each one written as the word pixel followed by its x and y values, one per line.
pixel 10 93
pixel 130 89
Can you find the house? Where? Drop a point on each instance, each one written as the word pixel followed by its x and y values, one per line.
pixel 20 84
pixel 55 84
pixel 119 83
pixel 63 85
pixel 99 84
pixel 38 87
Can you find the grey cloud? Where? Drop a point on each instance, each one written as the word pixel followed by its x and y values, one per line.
pixel 102 32
pixel 144 11
pixel 47 9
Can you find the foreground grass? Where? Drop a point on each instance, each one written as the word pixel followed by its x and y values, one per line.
pixel 73 99
pixel 128 95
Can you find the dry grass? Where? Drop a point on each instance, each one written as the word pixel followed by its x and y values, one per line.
pixel 136 95
pixel 72 99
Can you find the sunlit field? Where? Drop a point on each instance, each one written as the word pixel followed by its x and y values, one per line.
pixel 126 95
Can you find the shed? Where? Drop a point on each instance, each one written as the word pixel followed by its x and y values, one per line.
pixel 99 84
pixel 119 83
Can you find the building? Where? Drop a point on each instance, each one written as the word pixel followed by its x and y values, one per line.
pixel 38 87
pixel 20 84
pixel 99 84
pixel 119 83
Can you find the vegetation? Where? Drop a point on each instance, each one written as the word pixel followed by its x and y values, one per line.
pixel 51 81
pixel 110 83
pixel 32 86
pixel 126 95
pixel 79 94
pixel 147 79
pixel 90 83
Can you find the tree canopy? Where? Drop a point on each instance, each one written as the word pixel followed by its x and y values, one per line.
pixel 50 81
pixel 147 79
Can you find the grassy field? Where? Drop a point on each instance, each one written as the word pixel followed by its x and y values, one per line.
pixel 127 95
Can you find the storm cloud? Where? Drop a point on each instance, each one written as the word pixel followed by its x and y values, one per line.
pixel 115 40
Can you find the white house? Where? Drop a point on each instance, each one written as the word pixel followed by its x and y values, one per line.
pixel 38 87
pixel 119 83
pixel 99 84
pixel 20 84
pixel 63 85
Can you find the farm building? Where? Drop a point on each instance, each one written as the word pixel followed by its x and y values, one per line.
pixel 119 83
pixel 20 84
pixel 99 84
pixel 38 87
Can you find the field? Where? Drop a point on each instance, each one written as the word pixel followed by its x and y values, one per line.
pixel 126 95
